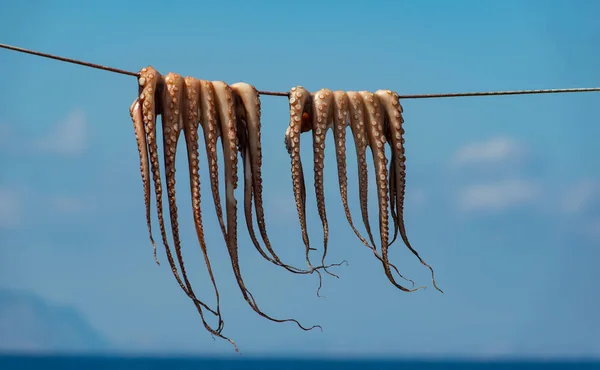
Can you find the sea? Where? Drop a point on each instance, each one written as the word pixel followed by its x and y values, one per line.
pixel 27 362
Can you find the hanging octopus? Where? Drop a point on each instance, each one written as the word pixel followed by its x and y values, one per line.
pixel 233 115
pixel 368 119
pixel 162 96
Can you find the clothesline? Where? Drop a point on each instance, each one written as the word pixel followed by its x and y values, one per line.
pixel 277 93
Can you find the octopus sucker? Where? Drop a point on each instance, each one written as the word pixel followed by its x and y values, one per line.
pixel 227 119
pixel 248 112
pixel 135 111
pixel 392 110
pixel 376 137
pixel 190 116
pixel 341 117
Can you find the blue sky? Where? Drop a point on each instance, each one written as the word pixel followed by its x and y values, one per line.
pixel 503 193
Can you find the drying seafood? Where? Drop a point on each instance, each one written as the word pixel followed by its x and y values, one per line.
pixel 168 90
pixel 231 113
pixel 374 120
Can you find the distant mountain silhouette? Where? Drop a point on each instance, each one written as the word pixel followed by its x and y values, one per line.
pixel 29 324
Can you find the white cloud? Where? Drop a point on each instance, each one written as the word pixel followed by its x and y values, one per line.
pixel 11 208
pixel 497 149
pixel 67 137
pixel 498 196
pixel 580 195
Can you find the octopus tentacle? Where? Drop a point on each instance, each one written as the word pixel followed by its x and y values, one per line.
pixel 190 112
pixel 229 140
pixel 300 104
pixel 376 138
pixel 393 114
pixel 392 191
pixel 212 132
pixel 135 111
pixel 392 178
pixel 340 122
pixel 322 115
pixel 357 125
pixel 248 122
pixel 249 125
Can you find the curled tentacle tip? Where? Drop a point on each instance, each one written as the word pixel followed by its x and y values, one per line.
pixel 319 292
pixel 315 326
pixel 330 273
pixel 412 283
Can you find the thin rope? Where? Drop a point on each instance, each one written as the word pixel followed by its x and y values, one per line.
pixel 277 93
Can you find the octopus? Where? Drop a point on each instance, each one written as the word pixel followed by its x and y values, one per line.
pixel 163 96
pixel 369 120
